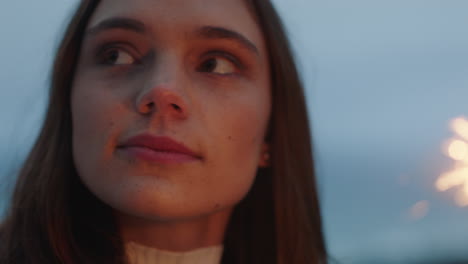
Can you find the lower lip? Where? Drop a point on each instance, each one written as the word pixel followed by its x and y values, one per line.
pixel 162 157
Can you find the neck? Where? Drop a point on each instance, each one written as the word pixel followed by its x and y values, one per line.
pixel 176 235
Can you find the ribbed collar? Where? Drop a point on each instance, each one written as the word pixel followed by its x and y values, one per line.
pixel 140 254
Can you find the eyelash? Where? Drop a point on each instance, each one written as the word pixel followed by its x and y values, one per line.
pixel 225 55
pixel 127 48
pixel 122 46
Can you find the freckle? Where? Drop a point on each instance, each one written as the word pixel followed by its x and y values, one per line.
pixel 111 124
pixel 217 206
pixel 229 137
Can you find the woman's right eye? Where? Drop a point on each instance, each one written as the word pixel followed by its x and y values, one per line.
pixel 116 56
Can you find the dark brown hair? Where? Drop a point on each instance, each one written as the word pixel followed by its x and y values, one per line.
pixel 53 218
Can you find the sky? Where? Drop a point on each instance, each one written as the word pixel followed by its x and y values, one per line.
pixel 383 81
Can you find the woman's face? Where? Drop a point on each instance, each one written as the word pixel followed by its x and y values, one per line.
pixel 195 71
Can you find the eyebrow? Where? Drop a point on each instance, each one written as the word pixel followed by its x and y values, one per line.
pixel 117 23
pixel 211 32
pixel 208 32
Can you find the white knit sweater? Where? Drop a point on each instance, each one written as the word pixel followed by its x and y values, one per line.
pixel 140 254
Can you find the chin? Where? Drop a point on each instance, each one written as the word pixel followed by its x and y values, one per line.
pixel 164 208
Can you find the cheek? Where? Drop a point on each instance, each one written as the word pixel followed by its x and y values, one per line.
pixel 240 127
pixel 91 120
pixel 96 116
pixel 243 123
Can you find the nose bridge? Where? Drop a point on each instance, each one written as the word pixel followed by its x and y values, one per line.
pixel 163 90
pixel 165 69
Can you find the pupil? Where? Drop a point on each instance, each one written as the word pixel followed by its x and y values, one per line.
pixel 210 65
pixel 113 56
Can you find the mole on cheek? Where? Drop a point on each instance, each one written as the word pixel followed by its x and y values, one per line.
pixel 229 138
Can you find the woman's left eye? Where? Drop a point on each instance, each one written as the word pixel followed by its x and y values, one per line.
pixel 218 65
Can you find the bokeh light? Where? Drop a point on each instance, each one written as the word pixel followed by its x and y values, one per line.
pixel 457 150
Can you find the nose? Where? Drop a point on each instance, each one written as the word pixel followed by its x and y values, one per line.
pixel 163 93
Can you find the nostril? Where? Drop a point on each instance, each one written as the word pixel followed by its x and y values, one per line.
pixel 176 107
pixel 150 106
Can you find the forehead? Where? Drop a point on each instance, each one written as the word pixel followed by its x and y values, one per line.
pixel 183 15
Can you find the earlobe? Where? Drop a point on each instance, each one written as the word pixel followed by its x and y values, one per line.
pixel 265 155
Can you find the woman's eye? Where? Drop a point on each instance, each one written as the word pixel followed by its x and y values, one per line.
pixel 116 56
pixel 217 65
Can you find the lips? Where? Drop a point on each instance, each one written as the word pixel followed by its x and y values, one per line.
pixel 158 149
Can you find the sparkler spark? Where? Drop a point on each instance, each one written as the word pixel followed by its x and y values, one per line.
pixel 457 150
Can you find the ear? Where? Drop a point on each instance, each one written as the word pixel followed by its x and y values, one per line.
pixel 265 156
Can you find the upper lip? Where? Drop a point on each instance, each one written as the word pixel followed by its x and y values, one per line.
pixel 158 143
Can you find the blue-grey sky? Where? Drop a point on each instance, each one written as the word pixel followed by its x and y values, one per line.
pixel 383 79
